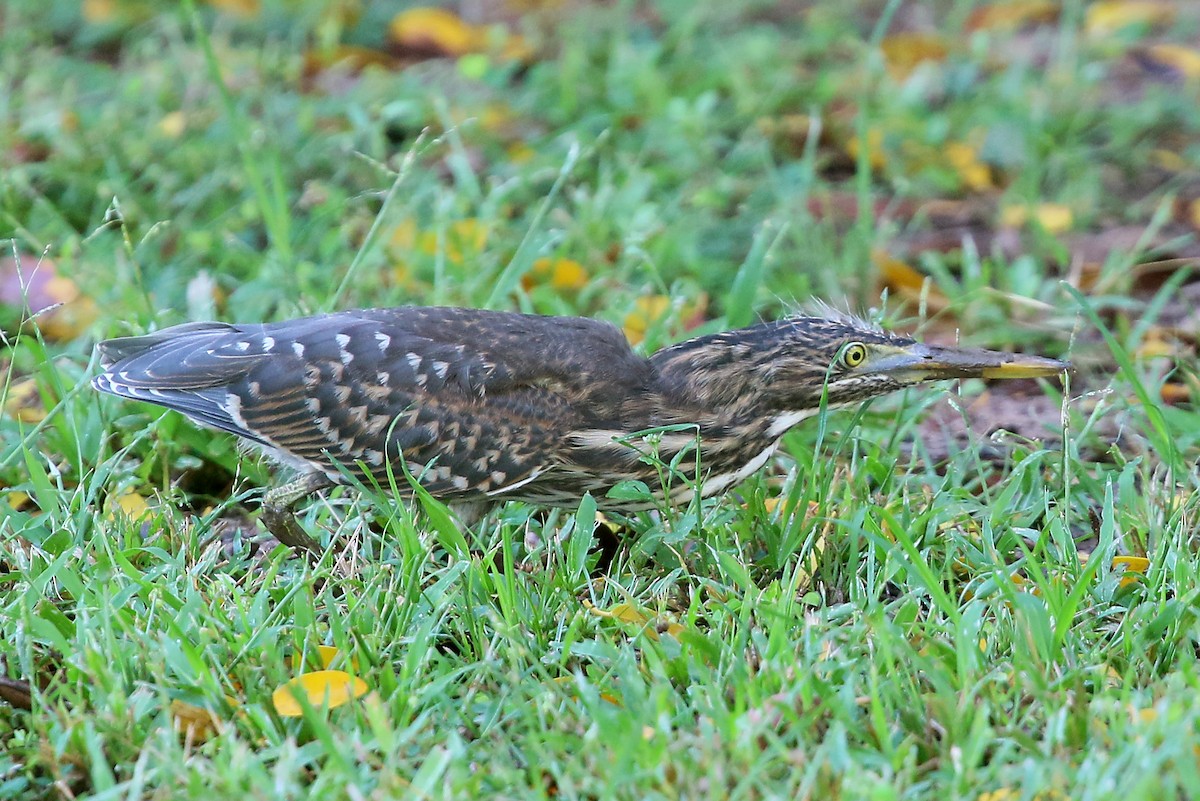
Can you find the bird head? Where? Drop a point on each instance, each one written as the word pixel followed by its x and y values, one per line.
pixel 850 361
pixel 790 365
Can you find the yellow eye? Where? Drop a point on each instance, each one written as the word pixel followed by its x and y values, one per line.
pixel 854 354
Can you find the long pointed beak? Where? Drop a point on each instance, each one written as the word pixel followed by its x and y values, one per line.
pixel 931 363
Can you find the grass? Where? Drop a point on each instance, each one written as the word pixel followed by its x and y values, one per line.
pixel 869 618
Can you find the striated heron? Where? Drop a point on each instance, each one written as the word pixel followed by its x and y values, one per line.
pixel 486 406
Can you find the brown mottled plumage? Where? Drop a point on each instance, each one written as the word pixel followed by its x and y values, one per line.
pixel 486 406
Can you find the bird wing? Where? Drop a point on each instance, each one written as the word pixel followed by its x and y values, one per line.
pixel 474 400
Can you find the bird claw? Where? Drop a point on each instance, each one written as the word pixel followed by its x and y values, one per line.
pixel 279 516
pixel 281 524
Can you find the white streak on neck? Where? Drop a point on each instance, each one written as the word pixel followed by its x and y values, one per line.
pixel 784 421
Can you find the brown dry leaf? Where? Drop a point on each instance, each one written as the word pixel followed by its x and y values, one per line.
pixel 964 158
pixel 1182 62
pixel 246 9
pixel 196 722
pixel 628 613
pixel 1173 393
pixel 435 31
pixel 908 282
pixel 1012 15
pixel 904 52
pixel 321 688
pixel 23 402
pixel 564 275
pixel 30 288
pixel 16 693
pixel 1109 16
pixel 1193 213
pixel 428 32
pixel 351 59
pixel 876 158
pixel 104 12
pixel 1054 218
pixel 569 683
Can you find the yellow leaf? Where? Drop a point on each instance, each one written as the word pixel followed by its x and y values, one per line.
pixel 321 688
pixel 1183 60
pixel 646 311
pixel 1108 17
pixel 326 656
pixel 1135 568
pixel 436 29
pixel 172 125
pixel 650 309
pixel 1193 213
pixel 461 239
pixel 975 174
pixel 1054 218
pixel 133 505
pixel 626 613
pixel 1168 160
pixel 903 52
pixel 197 722
pixel 19 501
pixel 907 282
pixel 1011 15
pixel 247 9
pixel 1003 794
pixel 875 156
pixel 404 236
pixel 520 152
pixel 565 275
pixel 23 402
pixel 99 10
pixel 1147 715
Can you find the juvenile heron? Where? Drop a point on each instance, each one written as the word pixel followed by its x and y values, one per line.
pixel 487 406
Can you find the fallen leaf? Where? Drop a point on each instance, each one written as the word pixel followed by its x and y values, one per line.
pixel 1054 218
pixel 875 155
pixel 246 9
pixel 1174 393
pixel 1193 213
pixel 32 289
pixel 321 688
pixel 434 30
pixel 628 613
pixel 650 309
pixel 904 52
pixel 907 282
pixel 564 275
pixel 1104 18
pixel 23 402
pixel 1136 568
pixel 172 124
pixel 194 721
pixel 428 32
pixel 133 504
pixel 1012 15
pixel 964 159
pixel 1181 62
pixel 343 58
pixel 327 655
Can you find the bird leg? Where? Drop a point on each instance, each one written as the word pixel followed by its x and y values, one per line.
pixel 279 516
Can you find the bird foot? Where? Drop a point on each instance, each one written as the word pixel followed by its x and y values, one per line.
pixel 279 516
